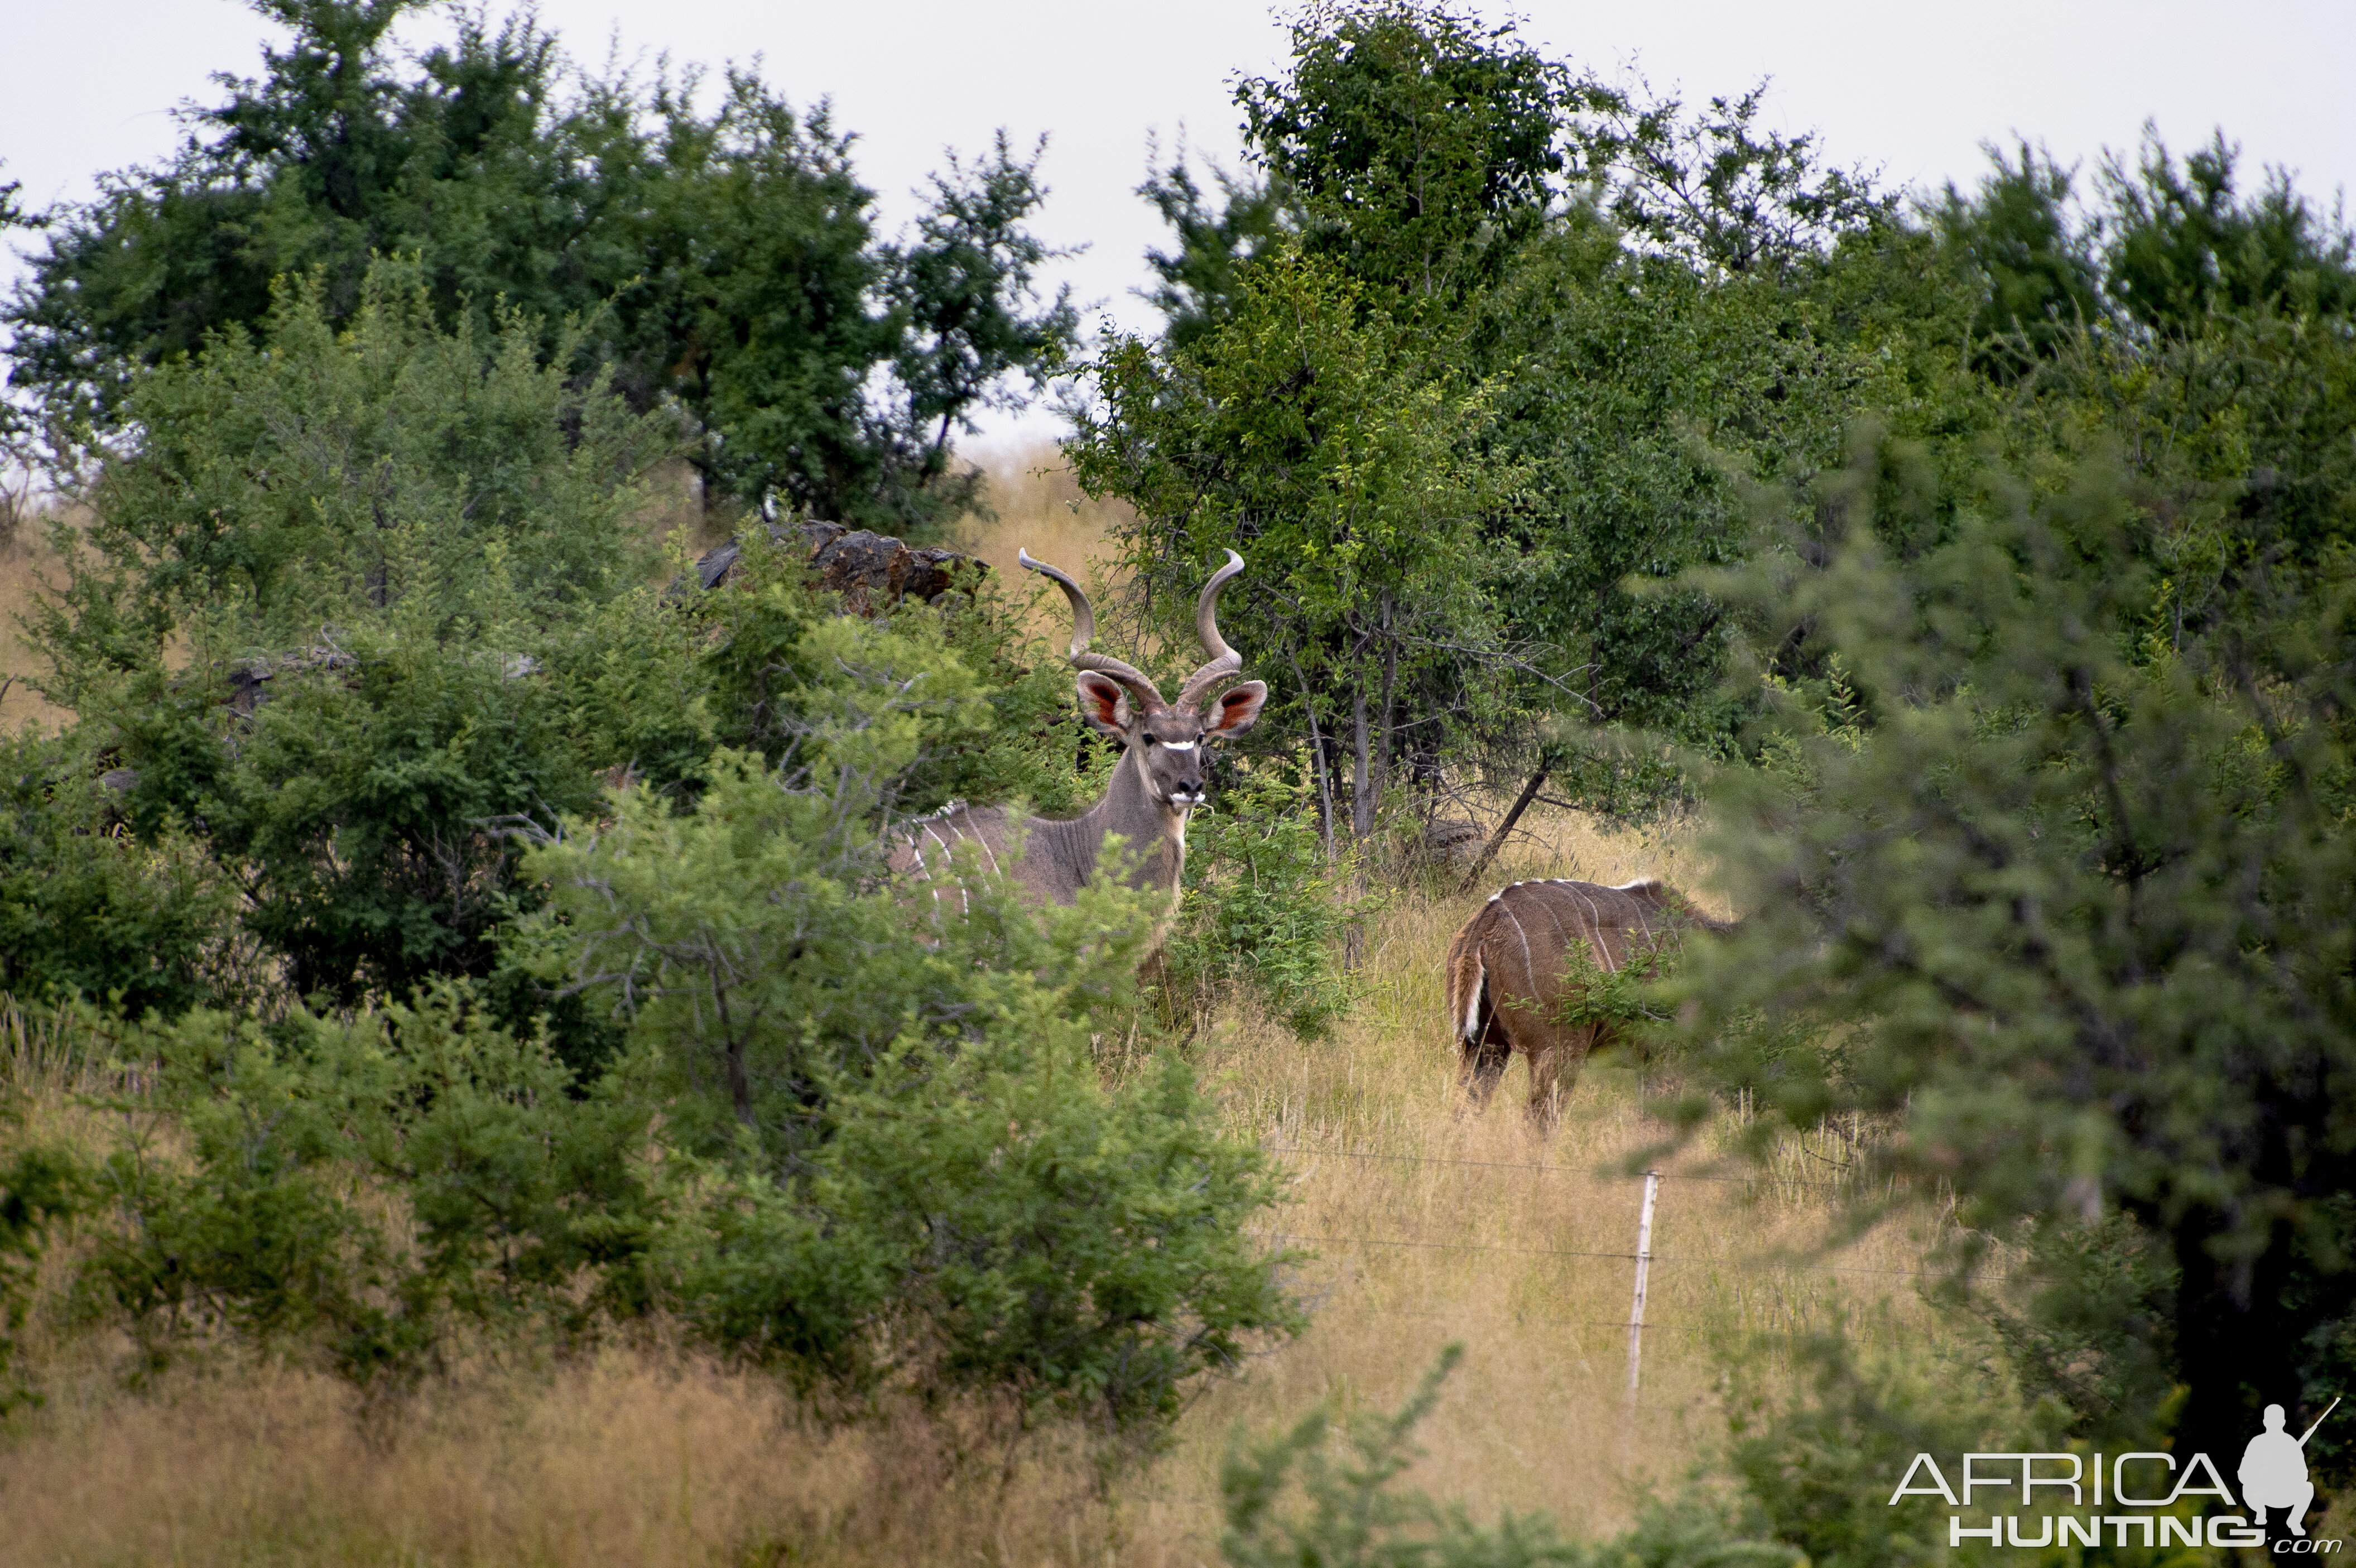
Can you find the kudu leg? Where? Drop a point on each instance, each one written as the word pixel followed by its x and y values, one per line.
pixel 1545 1094
pixel 1483 1063
pixel 1554 1073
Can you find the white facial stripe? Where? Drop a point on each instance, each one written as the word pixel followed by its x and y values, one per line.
pixel 1177 746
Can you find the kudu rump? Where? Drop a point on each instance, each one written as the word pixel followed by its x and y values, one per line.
pixel 1510 977
pixel 1158 782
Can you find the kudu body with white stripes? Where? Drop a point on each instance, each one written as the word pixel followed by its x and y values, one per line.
pixel 1511 975
pixel 1155 786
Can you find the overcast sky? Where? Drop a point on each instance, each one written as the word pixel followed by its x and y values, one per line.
pixel 1914 90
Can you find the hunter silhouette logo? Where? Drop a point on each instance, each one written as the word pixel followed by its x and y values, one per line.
pixel 2145 1499
pixel 2274 1471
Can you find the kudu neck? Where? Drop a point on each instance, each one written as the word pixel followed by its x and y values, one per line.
pixel 1155 834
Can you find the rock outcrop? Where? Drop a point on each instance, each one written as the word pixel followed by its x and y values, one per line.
pixel 873 572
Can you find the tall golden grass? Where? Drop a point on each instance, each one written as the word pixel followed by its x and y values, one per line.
pixel 1420 1225
pixel 26 561
pixel 1037 505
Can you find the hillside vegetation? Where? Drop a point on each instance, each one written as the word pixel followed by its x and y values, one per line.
pixel 644 1452
pixel 476 1088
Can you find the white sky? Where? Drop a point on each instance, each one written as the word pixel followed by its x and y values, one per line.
pixel 1911 89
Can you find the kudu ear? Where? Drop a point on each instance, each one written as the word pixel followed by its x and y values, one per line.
pixel 1104 704
pixel 1236 710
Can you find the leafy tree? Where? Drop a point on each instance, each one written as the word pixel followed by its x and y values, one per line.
pixel 1312 436
pixel 1712 189
pixel 2042 279
pixel 733 255
pixel 1644 396
pixel 825 367
pixel 2181 245
pixel 328 159
pixel 2240 432
pixel 2068 908
pixel 1215 243
pixel 1633 284
pixel 1422 144
pixel 750 298
pixel 2167 249
pixel 963 297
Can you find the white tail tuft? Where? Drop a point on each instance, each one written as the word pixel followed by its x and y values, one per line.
pixel 1471 1028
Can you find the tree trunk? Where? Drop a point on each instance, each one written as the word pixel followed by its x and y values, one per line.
pixel 1361 823
pixel 1317 750
pixel 1390 699
pixel 1497 839
pixel 1362 798
pixel 2234 1342
pixel 740 1081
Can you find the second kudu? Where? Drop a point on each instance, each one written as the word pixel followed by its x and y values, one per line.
pixel 1155 786
pixel 1511 975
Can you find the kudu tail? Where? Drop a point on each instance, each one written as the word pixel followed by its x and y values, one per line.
pixel 1468 976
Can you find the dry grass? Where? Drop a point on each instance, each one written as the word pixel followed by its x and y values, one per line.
pixel 632 1459
pixel 646 1455
pixel 1485 1252
pixel 25 561
pixel 1039 507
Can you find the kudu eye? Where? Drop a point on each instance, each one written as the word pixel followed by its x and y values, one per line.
pixel 1152 740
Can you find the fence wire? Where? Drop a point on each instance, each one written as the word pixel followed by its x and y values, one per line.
pixel 1562 1170
pixel 1714 1260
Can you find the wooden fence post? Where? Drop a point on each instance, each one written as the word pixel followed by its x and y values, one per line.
pixel 1644 1266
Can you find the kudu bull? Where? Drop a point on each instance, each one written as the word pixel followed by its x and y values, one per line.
pixel 1157 784
pixel 1510 980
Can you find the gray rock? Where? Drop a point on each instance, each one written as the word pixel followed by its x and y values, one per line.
pixel 873 572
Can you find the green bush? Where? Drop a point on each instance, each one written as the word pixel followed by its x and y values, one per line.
pixel 356 1185
pixel 1263 908
pixel 993 1214
pixel 376 805
pixel 1344 1513
pixel 375 544
pixel 41 1187
pixel 298 477
pixel 89 908
pixel 967 1208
